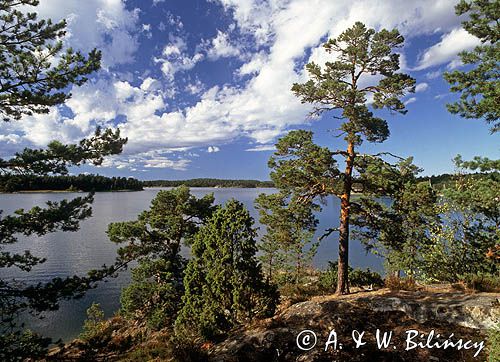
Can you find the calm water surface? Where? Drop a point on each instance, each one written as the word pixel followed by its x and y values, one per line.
pixel 70 253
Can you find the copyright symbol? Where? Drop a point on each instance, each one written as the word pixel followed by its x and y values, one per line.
pixel 306 340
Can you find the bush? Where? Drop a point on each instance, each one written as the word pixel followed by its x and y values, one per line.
pixel 94 325
pixel 483 282
pixel 396 283
pixel 494 344
pixel 357 278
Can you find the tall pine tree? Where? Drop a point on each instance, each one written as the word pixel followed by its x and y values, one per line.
pixel 345 85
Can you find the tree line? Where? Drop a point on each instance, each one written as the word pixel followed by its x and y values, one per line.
pixel 83 182
pixel 209 182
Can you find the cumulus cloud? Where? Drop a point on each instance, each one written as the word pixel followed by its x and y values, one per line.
pixel 261 148
pixel 213 149
pixel 104 24
pixel 220 47
pixel 421 87
pixel 174 58
pixel 410 100
pixel 447 49
pixel 285 35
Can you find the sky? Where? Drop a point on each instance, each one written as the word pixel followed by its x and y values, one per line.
pixel 201 88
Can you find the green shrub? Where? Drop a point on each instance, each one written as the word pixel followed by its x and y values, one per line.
pixel 494 344
pixel 483 282
pixel 94 324
pixel 357 278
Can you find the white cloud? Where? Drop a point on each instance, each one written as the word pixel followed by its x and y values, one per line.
pixel 179 165
pixel 103 24
pixel 260 109
pixel 174 58
pixel 213 149
pixel 421 87
pixel 410 100
pixel 433 75
pixel 220 47
pixel 261 148
pixel 447 49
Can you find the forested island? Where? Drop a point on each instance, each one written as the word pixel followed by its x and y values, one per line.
pixel 83 182
pixel 208 182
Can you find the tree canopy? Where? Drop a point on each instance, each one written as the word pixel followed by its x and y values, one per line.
pixel 479 84
pixel 35 70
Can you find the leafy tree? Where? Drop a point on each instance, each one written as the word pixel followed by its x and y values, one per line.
pixel 286 245
pixel 344 85
pixel 466 242
pixel 154 240
pixel 479 86
pixel 30 82
pixel 223 282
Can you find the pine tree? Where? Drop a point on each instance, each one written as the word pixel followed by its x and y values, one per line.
pixel 479 86
pixel 340 85
pixel 286 246
pixel 30 82
pixel 154 240
pixel 223 282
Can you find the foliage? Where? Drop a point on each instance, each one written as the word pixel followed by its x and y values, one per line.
pixel 31 81
pixel 35 74
pixel 13 183
pixel 223 282
pixel 286 246
pixel 479 86
pixel 308 171
pixel 154 240
pixel 357 277
pixel 208 182
pixel 494 344
pixel 92 326
pixel 482 282
pixel 23 345
pixel 394 282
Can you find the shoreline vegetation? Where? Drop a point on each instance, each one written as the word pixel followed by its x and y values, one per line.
pixel 98 183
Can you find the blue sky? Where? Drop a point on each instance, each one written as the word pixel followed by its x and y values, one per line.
pixel 202 88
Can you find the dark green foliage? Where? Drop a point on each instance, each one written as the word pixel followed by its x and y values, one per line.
pixel 29 81
pixel 92 325
pixel 400 230
pixel 223 282
pixel 360 51
pixel 286 246
pixel 470 231
pixel 23 345
pixel 479 85
pixel 154 240
pixel 309 171
pixel 357 278
pixel 481 282
pixel 56 158
pixel 13 183
pixel 208 182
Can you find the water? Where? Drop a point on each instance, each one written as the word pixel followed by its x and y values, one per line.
pixel 70 253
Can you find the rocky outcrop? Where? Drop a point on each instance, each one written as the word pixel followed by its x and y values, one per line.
pixel 479 311
pixel 436 315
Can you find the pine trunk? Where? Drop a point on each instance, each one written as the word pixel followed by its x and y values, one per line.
pixel 343 263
